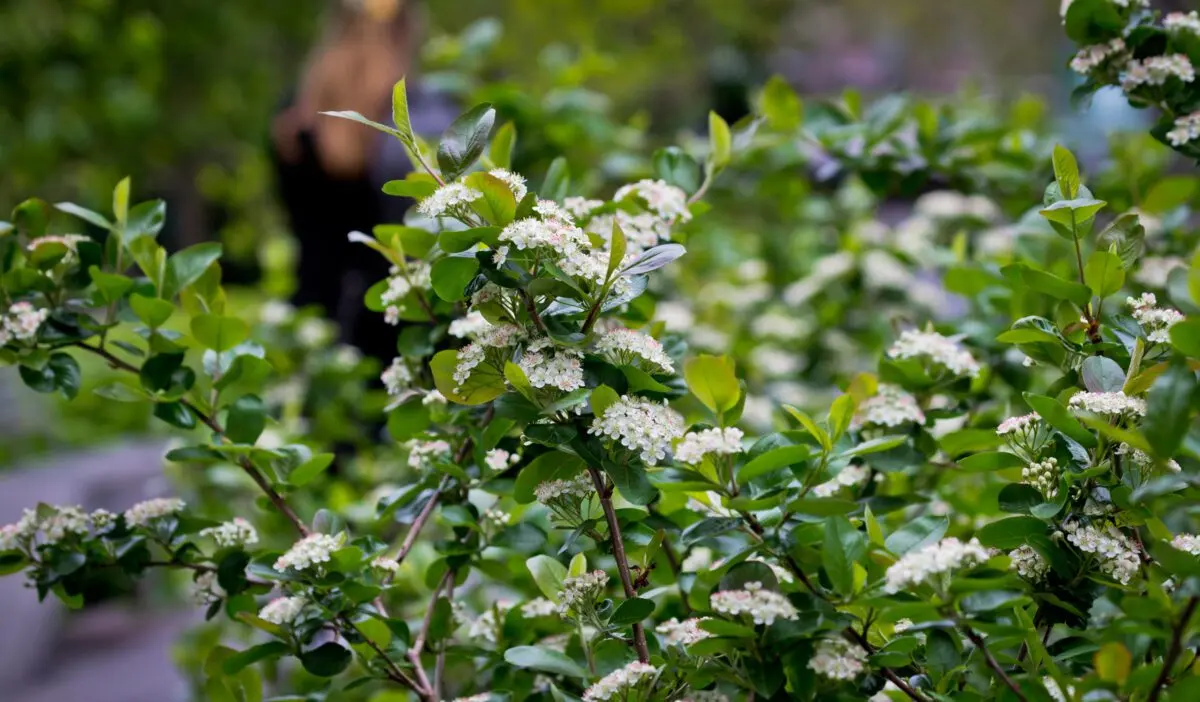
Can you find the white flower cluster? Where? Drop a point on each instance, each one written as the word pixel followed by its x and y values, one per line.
pixel 496 518
pixel 576 488
pixel 312 550
pixel 498 459
pixel 206 589
pixel 274 313
pixel 618 684
pixel 940 351
pixel 1176 22
pixel 761 605
pixel 580 207
pixel 21 322
pixel 890 407
pixel 237 532
pixel 645 427
pixel 950 204
pixel 1028 563
pixel 282 611
pixel 626 347
pixel 1186 129
pixel 705 696
pixel 1112 404
pixel 1189 543
pixel 1019 425
pixel 849 476
pixel 1118 554
pixel 547 366
pixel 481 697
pixel 1043 475
pixel 143 513
pixel 1090 57
pixel 487 625
pixel 387 565
pixel 470 326
pixel 1143 460
pixel 538 607
pixel 1156 321
pixel 696 444
pixel 685 633
pixel 433 397
pixel 397 377
pixel 1155 70
pixel 581 591
pixel 838 659
pixel 58 524
pixel 514 181
pixel 556 235
pixel 1155 270
pixel 660 197
pixel 415 276
pixel 476 352
pixel 423 454
pixel 70 241
pixel 933 561
pixel 642 230
pixel 447 199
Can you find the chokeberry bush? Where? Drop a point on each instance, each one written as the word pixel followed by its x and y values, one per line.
pixel 571 505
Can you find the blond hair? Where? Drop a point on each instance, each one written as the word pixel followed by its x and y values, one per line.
pixel 367 48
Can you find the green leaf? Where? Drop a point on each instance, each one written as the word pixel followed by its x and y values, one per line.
pixel 720 143
pixel 986 462
pixel 1102 374
pixel 357 117
pixel 151 310
pixel 771 461
pixel 326 660
pixel 1104 273
pixel 601 398
pixel 553 465
pixel 450 277
pixel 1073 214
pixel 1168 409
pixel 558 180
pixel 1011 532
pixel 186 267
pixel 112 287
pixel 1057 416
pixel 630 479
pixel 1066 172
pixel 246 419
pixel 843 547
pixel 840 414
pixel 653 259
pixel 616 249
pixel 89 216
pixel 400 115
pixel 921 531
pixel 545 660
pixel 121 200
pixel 454 241
pixel 501 149
pixel 1019 498
pixel 413 186
pixel 781 106
pixel 497 206
pixel 810 426
pixel 1168 194
pixel 219 333
pixel 631 611
pixel 464 140
pixel 548 574
pixel 60 373
pixel 484 385
pixel 1056 287
pixel 713 381
pixel 1185 336
pixel 1113 663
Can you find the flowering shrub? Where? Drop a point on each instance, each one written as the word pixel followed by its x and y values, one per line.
pixel 999 510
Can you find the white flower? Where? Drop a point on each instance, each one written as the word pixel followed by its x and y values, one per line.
pixel 539 607
pixel 446 199
pixel 890 407
pixel 496 518
pixel 102 520
pixel 310 551
pixel 553 234
pixel 576 488
pixel 10 537
pixel 499 459
pixel 276 312
pixel 1090 57
pixel 581 206
pixel 902 625
pixel 487 625
pixel 64 522
pixel 925 564
pixel 22 322
pixel 626 347
pixel 618 684
pixel 1117 553
pixel 1178 22
pixel 938 350
pixel 547 366
pixel 514 181
pixel 1028 563
pixel 549 209
pixel 1156 270
pixel 640 425
pixel 481 697
pixel 949 204
pixel 1056 692
pixel 660 197
pixel 1143 460
pixel 206 589
pixel 143 513
pixel 694 445
pixel 282 611
pixel 415 275
pixel 1186 128
pixel 1018 425
pixel 237 532
pixel 469 327
pixel 1155 70
pixel 314 332
pixel 686 632
pixel 1043 475
pixel 1189 543
pixel 490 347
pixel 762 606
pixel 1155 321
pixel 838 659
pixel 388 565
pixel 882 695
pixel 849 476
pixel 397 377
pixel 433 397
pixel 705 696
pixel 700 558
pixel 1112 404
pixel 774 362
pixel 580 592
pixel 423 454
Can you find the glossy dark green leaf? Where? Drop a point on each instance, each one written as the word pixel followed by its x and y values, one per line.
pixel 464 140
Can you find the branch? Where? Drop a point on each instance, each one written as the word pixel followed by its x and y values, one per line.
pixel 394 672
pixel 259 479
pixel 618 545
pixel 440 667
pixel 414 653
pixel 991 661
pixel 1174 650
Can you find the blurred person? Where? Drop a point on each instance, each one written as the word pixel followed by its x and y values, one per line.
pixel 330 170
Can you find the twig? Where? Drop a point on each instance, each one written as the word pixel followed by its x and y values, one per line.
pixel 439 668
pixel 210 421
pixel 414 653
pixel 1173 650
pixel 394 672
pixel 991 660
pixel 618 545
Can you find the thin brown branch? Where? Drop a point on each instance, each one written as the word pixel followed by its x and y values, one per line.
pixel 394 672
pixel 976 639
pixel 1173 651
pixel 439 669
pixel 618 546
pixel 414 653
